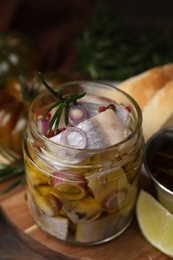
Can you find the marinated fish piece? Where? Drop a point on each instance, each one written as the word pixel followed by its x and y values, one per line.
pixel 42 203
pixel 98 229
pixel 110 188
pixel 104 129
pixel 35 176
pixel 83 211
pixel 54 225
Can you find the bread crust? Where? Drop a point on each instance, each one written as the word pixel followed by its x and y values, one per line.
pixel 158 113
pixel 144 86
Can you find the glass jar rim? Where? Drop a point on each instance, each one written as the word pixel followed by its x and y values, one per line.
pixel 85 82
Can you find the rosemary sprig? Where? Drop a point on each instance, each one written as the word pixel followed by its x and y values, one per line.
pixel 28 90
pixel 61 105
pixel 14 183
pixel 119 52
pixel 8 172
pixel 13 171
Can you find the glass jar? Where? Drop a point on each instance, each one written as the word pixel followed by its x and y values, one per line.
pixel 83 196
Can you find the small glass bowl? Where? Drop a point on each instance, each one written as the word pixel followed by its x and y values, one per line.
pixel 154 156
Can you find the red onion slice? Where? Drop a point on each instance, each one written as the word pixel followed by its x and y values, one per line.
pixel 61 176
pixel 43 125
pixel 74 137
pixel 53 201
pixel 114 199
pixel 68 185
pixel 77 114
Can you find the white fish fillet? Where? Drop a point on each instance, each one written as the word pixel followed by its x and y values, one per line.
pixel 103 130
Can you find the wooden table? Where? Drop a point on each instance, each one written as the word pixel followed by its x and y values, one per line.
pixel 16 244
pixel 11 246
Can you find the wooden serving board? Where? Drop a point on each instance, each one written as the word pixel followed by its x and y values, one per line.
pixel 130 245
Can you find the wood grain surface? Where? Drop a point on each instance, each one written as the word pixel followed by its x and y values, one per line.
pixel 130 245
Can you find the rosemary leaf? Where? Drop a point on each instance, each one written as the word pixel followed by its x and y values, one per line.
pixel 56 116
pixel 56 104
pixel 74 97
pixel 13 170
pixel 9 170
pixel 66 114
pixel 9 176
pixel 4 170
pixel 59 113
pixel 23 84
pixel 11 185
pixel 23 180
pixel 54 93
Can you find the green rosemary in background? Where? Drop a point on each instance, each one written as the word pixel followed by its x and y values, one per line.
pixel 108 50
pixel 12 171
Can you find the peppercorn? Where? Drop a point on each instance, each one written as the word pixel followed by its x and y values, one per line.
pixel 102 109
pixel 111 106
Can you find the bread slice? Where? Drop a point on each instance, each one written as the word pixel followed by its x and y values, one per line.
pixel 158 113
pixel 143 86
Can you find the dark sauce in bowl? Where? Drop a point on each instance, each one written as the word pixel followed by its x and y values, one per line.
pixel 162 165
pixel 158 158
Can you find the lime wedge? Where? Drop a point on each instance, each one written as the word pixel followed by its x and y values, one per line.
pixel 155 222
